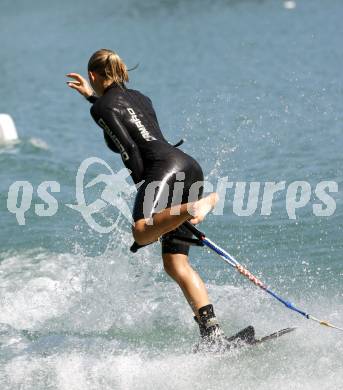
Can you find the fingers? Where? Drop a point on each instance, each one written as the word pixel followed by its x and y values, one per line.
pixel 73 85
pixel 76 76
pixel 79 83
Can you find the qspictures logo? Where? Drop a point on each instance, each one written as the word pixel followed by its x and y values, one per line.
pixel 245 198
pixel 116 189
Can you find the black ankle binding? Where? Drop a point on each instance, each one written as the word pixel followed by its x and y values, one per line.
pixel 208 323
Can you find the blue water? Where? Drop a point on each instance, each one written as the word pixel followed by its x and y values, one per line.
pixel 256 91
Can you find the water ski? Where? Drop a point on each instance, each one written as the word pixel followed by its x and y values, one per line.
pixel 245 337
pixel 274 335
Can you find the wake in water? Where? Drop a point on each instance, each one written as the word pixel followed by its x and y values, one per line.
pixel 117 321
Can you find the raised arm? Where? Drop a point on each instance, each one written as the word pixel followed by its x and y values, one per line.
pixel 116 136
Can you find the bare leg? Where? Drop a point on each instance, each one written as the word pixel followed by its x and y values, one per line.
pixel 192 286
pixel 169 219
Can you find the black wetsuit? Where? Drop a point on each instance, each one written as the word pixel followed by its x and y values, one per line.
pixel 131 128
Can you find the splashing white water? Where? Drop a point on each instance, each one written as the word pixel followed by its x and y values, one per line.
pixel 117 322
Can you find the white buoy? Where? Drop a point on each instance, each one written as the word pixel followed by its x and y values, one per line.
pixel 8 132
pixel 289 4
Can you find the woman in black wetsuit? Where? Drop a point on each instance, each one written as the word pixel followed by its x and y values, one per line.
pixel 130 127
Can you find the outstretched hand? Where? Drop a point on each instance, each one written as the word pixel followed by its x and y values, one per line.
pixel 80 84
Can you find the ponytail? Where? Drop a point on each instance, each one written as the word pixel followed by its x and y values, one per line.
pixel 109 65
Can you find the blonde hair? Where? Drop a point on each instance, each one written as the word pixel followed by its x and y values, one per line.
pixel 109 65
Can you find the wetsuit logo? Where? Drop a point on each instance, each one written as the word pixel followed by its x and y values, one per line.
pixel 116 141
pixel 142 129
